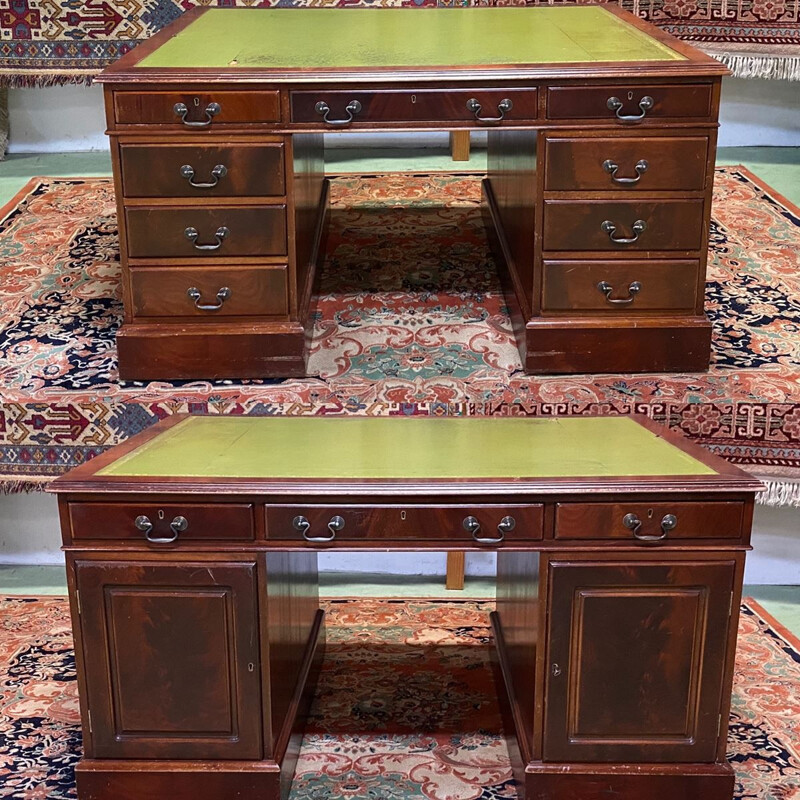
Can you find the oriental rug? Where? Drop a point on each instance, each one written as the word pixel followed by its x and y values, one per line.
pixel 406 706
pixel 411 321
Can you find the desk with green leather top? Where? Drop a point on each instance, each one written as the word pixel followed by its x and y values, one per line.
pixel 602 133
pixel 191 558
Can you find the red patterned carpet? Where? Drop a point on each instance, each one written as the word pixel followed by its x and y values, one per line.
pixel 411 321
pixel 405 709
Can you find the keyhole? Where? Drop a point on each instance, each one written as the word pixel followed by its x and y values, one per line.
pixel 649 513
pixel 196 101
pixel 413 98
pixel 630 95
pixel 161 513
pixel 403 515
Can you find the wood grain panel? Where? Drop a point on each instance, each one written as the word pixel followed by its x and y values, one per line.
pixel 157 108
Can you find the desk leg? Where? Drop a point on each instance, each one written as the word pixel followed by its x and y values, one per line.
pixel 459 145
pixel 455 570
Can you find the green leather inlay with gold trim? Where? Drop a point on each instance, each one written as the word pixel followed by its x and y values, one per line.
pixel 403 448
pixel 403 37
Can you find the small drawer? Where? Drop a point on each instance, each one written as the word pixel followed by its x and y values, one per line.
pixel 621 225
pixel 649 523
pixel 206 231
pixel 620 287
pixel 628 104
pixel 480 106
pixel 635 164
pixel 438 524
pixel 188 170
pixel 149 523
pixel 196 111
pixel 209 292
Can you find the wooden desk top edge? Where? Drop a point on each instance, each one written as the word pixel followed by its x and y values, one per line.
pixel 126 70
pixel 85 478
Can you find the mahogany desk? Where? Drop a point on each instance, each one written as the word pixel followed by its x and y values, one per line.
pixel 192 568
pixel 602 135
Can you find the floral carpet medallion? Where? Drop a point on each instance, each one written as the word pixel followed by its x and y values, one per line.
pixel 410 321
pixel 406 705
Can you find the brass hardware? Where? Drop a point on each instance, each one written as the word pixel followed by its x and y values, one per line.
pixel 177 526
pixel 555 670
pixel 638 228
pixel 191 234
pixel 607 289
pixel 212 109
pixel 645 104
pixel 301 523
pixel 353 108
pixel 611 168
pixel 503 107
pixel 222 295
pixel 472 525
pixel 220 171
pixel 633 523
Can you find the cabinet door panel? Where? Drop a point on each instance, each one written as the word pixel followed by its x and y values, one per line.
pixel 171 655
pixel 636 656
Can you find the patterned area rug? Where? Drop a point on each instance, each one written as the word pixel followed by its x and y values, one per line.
pixel 411 321
pixel 406 706
pixel 44 42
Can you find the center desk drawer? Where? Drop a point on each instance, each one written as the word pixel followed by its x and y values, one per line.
pixel 151 523
pixel 442 524
pixel 209 292
pixel 415 105
pixel 649 522
pixel 196 111
pixel 623 225
pixel 193 170
pixel 206 231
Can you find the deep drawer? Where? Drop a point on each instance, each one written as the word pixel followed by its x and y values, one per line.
pixel 415 105
pixel 612 225
pixel 619 287
pixel 438 523
pixel 206 231
pixel 651 163
pixel 209 292
pixel 241 170
pixel 131 521
pixel 722 520
pixel 598 102
pixel 204 110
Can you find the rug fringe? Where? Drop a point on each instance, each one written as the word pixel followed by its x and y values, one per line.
pixel 13 486
pixel 779 493
pixel 747 65
pixel 41 80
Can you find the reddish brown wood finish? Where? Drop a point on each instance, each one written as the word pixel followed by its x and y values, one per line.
pixel 673 163
pixel 158 108
pixel 252 291
pixel 154 170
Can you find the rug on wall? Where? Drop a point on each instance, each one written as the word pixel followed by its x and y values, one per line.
pixel 405 682
pixel 411 321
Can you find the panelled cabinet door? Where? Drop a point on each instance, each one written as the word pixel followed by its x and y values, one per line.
pixel 171 659
pixel 636 656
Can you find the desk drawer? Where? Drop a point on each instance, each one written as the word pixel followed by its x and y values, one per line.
pixel 130 522
pixel 206 231
pixel 437 525
pixel 202 170
pixel 652 163
pixel 415 105
pixel 619 287
pixel 722 520
pixel 205 110
pixel 628 104
pixel 623 225
pixel 209 292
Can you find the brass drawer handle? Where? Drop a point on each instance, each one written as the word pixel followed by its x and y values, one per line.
pixel 220 171
pixel 668 523
pixel 301 523
pixel 638 228
pixel 645 104
pixel 607 289
pixel 212 109
pixel 191 234
pixel 177 526
pixel 222 295
pixel 473 526
pixel 611 168
pixel 503 107
pixel 353 108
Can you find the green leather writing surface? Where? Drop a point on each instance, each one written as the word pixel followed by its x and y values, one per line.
pixel 401 37
pixel 410 448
